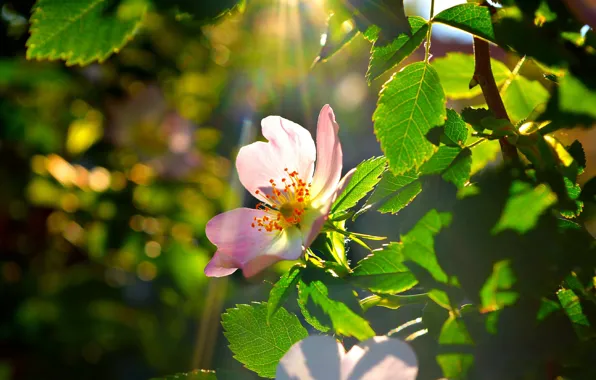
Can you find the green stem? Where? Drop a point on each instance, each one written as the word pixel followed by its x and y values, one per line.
pixel 513 74
pixel 476 142
pixel 430 28
pixel 392 301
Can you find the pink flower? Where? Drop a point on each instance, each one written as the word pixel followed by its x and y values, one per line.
pixel 322 357
pixel 294 204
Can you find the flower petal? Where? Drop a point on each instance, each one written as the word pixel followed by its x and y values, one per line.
pixel 313 358
pixel 380 358
pixel 290 147
pixel 218 266
pixel 311 224
pixel 329 158
pixel 239 245
pixel 313 220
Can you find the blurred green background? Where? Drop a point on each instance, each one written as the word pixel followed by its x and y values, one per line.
pixel 110 172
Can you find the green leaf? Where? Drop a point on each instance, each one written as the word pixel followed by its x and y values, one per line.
pixel 440 298
pixel 572 306
pixel 484 153
pixel 80 31
pixel 454 331
pixel 576 150
pixel 389 184
pixel 574 191
pixel 522 97
pixel 455 365
pixel 335 38
pixel 574 97
pixel 525 205
pixel 474 117
pixel 459 171
pixel 496 293
pixel 259 344
pixel 385 56
pixel 387 18
pixel 383 271
pixel 197 374
pixel 364 179
pixel 411 103
pixel 418 243
pixel 547 307
pixel 455 128
pixel 456 70
pixel 282 289
pixel 397 202
pixel 471 18
pixel 440 161
pixel 331 302
pixel 331 245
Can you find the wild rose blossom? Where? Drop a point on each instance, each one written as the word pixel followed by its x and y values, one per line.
pixel 322 357
pixel 295 196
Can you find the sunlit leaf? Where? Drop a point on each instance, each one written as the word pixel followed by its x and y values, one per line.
pixel 484 153
pixel 282 289
pixel 336 37
pixel 455 365
pixel 364 179
pixel 547 307
pixel 459 171
pixel 572 306
pixel 522 97
pixel 455 128
pixel 411 103
pixel 575 97
pixel 496 293
pixel 534 201
pixel 397 202
pixel 389 184
pixel 418 243
pixel 383 20
pixel 440 160
pixel 471 18
pixel 383 271
pixel 80 31
pixel 385 56
pixel 330 302
pixel 259 344
pixel 456 70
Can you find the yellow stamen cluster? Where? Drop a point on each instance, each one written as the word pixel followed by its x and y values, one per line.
pixel 285 205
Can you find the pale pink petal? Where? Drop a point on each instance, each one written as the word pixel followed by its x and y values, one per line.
pixel 313 358
pixel 219 266
pixel 239 244
pixel 313 220
pixel 344 182
pixel 287 245
pixel 311 224
pixel 329 158
pixel 289 146
pixel 380 358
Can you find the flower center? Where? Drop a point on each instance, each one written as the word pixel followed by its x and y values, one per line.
pixel 286 204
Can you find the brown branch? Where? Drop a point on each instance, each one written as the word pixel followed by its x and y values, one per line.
pixel 483 76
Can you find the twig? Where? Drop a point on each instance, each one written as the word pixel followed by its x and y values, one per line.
pixel 513 74
pixel 483 76
pixel 429 33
